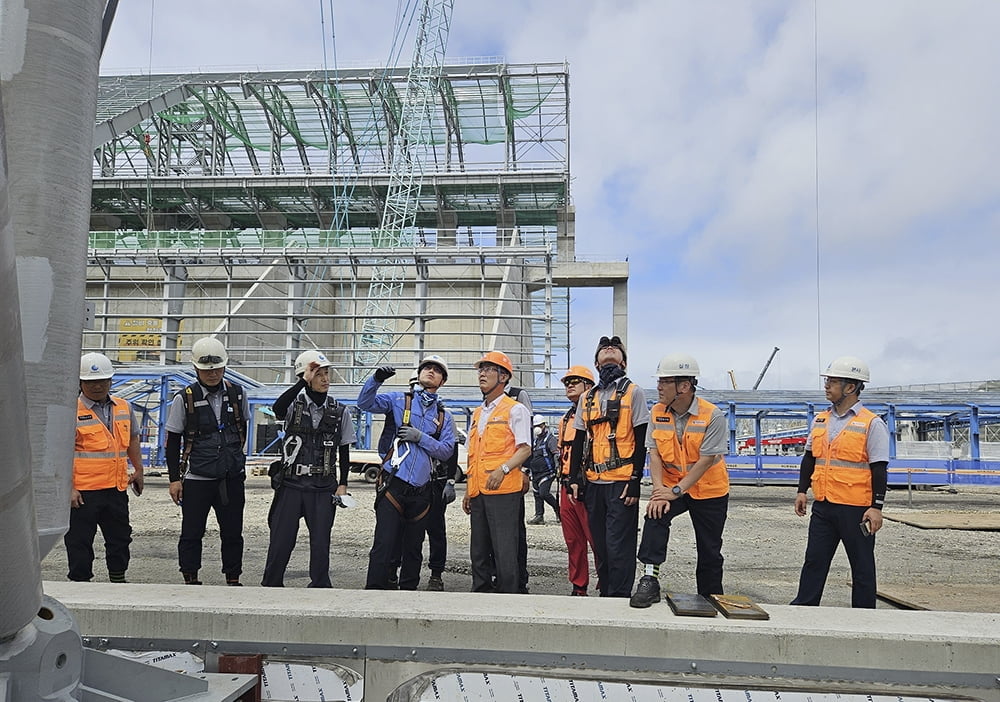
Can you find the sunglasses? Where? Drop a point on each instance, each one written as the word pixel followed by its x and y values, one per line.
pixel 210 359
pixel 572 382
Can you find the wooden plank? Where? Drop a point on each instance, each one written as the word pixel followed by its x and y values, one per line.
pixel 970 521
pixel 953 597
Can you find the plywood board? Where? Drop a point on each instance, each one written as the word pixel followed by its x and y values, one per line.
pixel 961 597
pixel 972 521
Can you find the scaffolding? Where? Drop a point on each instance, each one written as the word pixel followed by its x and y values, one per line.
pixel 215 195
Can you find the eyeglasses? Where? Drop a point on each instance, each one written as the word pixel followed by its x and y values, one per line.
pixel 572 382
pixel 827 382
pixel 209 359
pixel 485 369
pixel 667 381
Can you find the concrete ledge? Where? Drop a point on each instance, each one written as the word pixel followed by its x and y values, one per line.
pixel 878 649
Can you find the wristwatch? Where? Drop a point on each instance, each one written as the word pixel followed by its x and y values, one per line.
pixel 505 468
pixel 676 489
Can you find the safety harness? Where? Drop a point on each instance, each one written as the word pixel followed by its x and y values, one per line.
pixel 192 429
pixel 396 456
pixel 612 410
pixel 327 434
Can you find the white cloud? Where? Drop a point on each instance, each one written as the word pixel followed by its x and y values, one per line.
pixel 694 147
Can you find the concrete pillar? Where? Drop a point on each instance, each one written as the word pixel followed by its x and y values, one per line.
pixel 619 310
pixel 506 221
pixel 566 235
pixel 173 310
pixel 447 225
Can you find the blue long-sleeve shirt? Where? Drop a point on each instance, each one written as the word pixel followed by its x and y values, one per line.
pixel 416 468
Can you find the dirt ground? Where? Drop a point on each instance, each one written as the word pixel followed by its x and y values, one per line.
pixel 764 543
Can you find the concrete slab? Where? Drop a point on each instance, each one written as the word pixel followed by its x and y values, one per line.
pixel 973 521
pixel 409 633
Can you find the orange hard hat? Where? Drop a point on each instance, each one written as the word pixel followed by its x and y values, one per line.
pixel 497 358
pixel 579 372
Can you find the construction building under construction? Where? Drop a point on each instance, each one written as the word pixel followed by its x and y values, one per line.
pixel 249 206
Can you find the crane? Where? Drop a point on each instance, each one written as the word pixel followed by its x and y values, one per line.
pixel 766 366
pixel 405 179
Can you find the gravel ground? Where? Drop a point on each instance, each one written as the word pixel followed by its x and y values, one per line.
pixel 764 543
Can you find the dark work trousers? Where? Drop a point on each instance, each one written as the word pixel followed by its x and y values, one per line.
pixel 437 536
pixel 107 509
pixel 494 522
pixel 399 525
pixel 614 528
pixel 576 532
pixel 708 517
pixel 830 525
pixel 200 496
pixel 541 488
pixel 290 505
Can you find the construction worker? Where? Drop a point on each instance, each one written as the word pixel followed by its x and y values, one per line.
pixel 425 432
pixel 206 435
pixel 687 440
pixel 107 439
pixel 846 464
pixel 607 463
pixel 576 530
pixel 499 445
pixel 542 466
pixel 312 473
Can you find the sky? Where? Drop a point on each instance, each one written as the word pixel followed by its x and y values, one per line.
pixel 817 176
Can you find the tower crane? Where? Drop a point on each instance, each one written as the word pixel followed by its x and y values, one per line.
pixel 412 138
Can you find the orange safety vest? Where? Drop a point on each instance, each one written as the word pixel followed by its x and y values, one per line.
pixel 680 456
pixel 489 451
pixel 843 474
pixel 600 446
pixel 100 458
pixel 567 432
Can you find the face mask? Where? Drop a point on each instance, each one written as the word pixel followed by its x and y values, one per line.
pixel 537 431
pixel 610 372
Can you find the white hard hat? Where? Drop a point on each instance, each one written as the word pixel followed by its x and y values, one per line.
pixel 437 361
pixel 208 353
pixel 847 367
pixel 303 360
pixel 96 366
pixel 538 420
pixel 677 365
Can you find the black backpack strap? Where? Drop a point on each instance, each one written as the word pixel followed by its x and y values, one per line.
pixel 190 424
pixel 235 394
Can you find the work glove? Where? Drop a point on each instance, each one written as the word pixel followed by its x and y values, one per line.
pixel 579 481
pixel 411 434
pixel 448 494
pixel 634 487
pixel 383 373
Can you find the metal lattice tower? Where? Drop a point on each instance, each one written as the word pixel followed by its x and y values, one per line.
pixel 405 178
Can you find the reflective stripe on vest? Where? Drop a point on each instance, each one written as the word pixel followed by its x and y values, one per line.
pixel 489 451
pixel 843 474
pixel 600 447
pixel 100 456
pixel 679 457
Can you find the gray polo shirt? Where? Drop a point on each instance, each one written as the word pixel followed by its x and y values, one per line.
pixel 716 440
pixel 878 432
pixel 177 414
pixel 105 410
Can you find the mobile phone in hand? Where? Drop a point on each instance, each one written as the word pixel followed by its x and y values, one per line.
pixel 866 528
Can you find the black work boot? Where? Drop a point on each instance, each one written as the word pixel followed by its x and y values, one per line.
pixel 191 578
pixel 646 593
pixel 117 577
pixel 435 583
pixel 537 519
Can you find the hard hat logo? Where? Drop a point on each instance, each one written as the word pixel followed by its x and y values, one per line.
pixel 307 358
pixel 848 367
